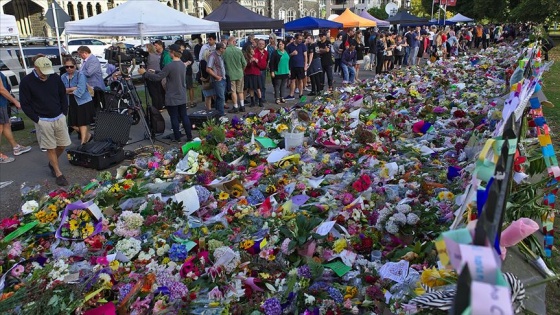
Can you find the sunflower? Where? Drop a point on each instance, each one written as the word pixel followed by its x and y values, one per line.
pixel 236 193
pixel 223 196
pixel 270 189
pixel 87 230
pixel 84 216
pixel 73 225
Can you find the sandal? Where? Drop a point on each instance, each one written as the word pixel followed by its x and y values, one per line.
pixel 278 102
pixel 283 101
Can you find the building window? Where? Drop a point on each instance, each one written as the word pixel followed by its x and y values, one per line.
pixel 290 16
pixel 70 9
pixel 282 15
pixel 89 9
pixel 80 11
pixel 304 13
pixel 98 8
pixel 312 13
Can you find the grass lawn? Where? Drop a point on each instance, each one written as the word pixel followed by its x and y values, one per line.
pixel 551 88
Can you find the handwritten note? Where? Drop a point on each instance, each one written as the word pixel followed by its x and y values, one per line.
pixel 189 197
pixel 490 299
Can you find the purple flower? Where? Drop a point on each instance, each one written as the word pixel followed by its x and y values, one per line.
pixel 124 290
pixel 304 272
pixel 178 252
pixel 272 307
pixel 335 295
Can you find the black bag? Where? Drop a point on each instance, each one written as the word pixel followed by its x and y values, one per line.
pixel 106 149
pixel 15 121
pixel 156 120
pixel 547 44
pixel 199 117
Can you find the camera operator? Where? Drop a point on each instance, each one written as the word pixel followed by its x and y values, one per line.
pixel 155 88
pixel 176 92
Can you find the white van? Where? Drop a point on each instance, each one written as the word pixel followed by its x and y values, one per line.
pixel 12 67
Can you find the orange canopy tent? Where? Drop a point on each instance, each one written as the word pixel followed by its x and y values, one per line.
pixel 350 19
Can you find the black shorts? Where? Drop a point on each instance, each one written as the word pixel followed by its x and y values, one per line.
pixel 297 73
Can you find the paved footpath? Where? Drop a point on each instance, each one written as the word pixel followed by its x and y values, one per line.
pixel 31 168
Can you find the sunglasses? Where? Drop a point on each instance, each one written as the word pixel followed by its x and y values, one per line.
pixel 69 67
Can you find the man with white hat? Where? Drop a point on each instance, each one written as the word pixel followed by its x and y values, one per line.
pixel 43 99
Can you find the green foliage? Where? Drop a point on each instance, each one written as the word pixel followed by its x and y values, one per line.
pixel 378 13
pixel 534 10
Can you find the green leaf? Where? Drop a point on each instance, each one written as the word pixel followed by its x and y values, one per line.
pixel 53 300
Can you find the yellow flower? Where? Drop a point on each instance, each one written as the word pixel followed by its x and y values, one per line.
pixel 73 225
pixel 204 230
pixel 114 265
pixel 252 163
pixel 247 244
pixel 434 277
pixel 350 292
pixel 87 230
pixel 446 195
pixel 236 193
pixel 270 189
pixel 271 257
pixel 281 128
pixel 165 260
pixel 52 207
pixel 84 216
pixel 41 214
pixel 223 196
pixel 339 245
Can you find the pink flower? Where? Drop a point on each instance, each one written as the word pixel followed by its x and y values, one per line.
pixel 102 261
pixel 17 271
pixel 159 306
pixel 215 294
pixel 16 250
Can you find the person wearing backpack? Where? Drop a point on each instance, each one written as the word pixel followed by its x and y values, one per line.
pixel 5 126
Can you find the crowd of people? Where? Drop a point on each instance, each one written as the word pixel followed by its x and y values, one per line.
pixel 297 64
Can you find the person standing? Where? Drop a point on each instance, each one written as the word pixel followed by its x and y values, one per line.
pixel 279 70
pixel 5 125
pixel 210 45
pixel 252 75
pixel 337 54
pixel 261 54
pixel 235 65
pixel 314 69
pixel 349 59
pixel 380 55
pixel 43 99
pixel 155 88
pixel 81 111
pixel 298 64
pixel 217 71
pixel 175 92
pixel 91 68
pixel 372 44
pixel 188 59
pixel 325 51
pixel 360 52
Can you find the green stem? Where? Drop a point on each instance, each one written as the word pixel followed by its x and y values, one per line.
pixel 544 281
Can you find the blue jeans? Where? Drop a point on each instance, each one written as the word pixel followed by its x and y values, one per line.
pixel 220 90
pixel 406 55
pixel 349 73
pixel 176 114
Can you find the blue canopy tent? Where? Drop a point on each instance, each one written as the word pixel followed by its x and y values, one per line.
pixel 441 22
pixel 310 23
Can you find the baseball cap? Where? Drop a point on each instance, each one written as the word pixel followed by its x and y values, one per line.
pixel 174 47
pixel 44 65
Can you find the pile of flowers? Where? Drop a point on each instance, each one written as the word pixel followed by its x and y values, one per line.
pixel 239 227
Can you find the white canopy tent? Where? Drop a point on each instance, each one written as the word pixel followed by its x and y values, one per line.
pixel 459 18
pixel 8 27
pixel 141 18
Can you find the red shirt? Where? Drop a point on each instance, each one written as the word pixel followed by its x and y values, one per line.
pixel 262 57
pixel 252 68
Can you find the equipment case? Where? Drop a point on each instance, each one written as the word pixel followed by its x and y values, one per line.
pixel 106 149
pixel 199 117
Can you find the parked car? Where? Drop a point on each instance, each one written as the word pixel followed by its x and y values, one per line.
pixel 167 40
pixel 96 46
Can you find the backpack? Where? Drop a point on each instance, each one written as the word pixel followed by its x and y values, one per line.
pixel 156 120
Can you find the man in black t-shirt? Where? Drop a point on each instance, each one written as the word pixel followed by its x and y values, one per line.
pixel 187 58
pixel 325 51
pixel 314 69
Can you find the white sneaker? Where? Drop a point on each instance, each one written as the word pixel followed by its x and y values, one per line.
pixel 19 149
pixel 296 91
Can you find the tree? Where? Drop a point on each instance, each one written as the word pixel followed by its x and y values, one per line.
pixel 418 9
pixel 534 10
pixel 378 13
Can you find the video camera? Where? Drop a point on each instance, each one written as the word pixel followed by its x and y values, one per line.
pixel 118 56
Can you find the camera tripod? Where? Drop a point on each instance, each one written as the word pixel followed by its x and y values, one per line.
pixel 127 102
